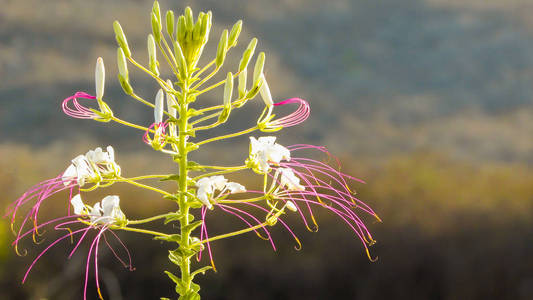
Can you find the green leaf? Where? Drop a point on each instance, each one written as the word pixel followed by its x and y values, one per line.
pixel 195 288
pixel 175 177
pixel 173 277
pixel 201 270
pixel 191 146
pixel 194 166
pixel 173 218
pixel 174 257
pixel 172 197
pixel 175 238
pixel 192 226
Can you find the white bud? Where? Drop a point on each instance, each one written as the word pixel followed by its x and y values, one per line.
pixel 291 206
pixel 122 65
pixel 265 92
pixel 171 101
pixel 99 77
pixel 159 106
pixel 151 48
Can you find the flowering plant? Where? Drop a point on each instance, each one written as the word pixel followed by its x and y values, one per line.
pixel 290 183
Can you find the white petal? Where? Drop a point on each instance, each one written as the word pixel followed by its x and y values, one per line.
pixel 109 204
pixel 111 153
pixel 219 182
pixel 78 205
pixel 69 175
pixel 235 187
pixel 290 181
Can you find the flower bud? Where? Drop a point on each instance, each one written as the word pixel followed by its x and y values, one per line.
pixel 181 30
pixel 258 68
pixel 265 91
pixel 291 206
pixel 152 55
pixel 121 38
pixel 170 23
pixel 182 64
pixel 206 27
pixel 247 55
pixel 156 27
pixel 122 65
pixel 125 84
pixel 189 21
pixel 99 78
pixel 222 47
pixel 157 12
pixel 171 101
pixel 234 34
pixel 228 90
pixel 242 82
pixel 197 31
pixel 159 106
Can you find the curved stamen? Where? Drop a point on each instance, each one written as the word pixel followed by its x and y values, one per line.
pixel 73 108
pixel 298 116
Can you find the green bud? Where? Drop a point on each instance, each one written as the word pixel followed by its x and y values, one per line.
pixel 157 12
pixel 234 34
pixel 122 65
pixel 258 68
pixel 182 64
pixel 228 90
pixel 156 28
pixel 189 21
pixel 222 47
pixel 197 31
pixel 180 35
pixel 121 38
pixel 242 82
pixel 206 26
pixel 253 92
pixel 247 55
pixel 152 55
pixel 170 23
pixel 125 84
pixel 224 115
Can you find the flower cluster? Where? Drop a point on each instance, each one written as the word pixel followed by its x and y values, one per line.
pixel 291 183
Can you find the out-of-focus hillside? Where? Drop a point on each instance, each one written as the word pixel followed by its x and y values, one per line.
pixel 399 75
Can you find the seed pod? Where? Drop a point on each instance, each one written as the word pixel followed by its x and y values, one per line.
pixel 121 38
pixel 170 23
pixel 222 47
pixel 234 34
pixel 122 65
pixel 247 55
pixel 258 68
pixel 228 90
pixel 99 78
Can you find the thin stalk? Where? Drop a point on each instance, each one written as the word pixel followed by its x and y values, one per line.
pixel 227 136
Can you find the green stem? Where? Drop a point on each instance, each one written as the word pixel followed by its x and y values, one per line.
pixel 142 221
pixel 218 138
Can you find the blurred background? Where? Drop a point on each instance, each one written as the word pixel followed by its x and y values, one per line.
pixel 429 101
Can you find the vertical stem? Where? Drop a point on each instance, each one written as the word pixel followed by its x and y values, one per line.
pixel 185 266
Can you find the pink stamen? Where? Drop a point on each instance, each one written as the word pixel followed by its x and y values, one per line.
pixel 298 116
pixel 160 131
pixel 77 110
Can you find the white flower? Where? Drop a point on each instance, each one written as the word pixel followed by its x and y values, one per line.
pixel 91 167
pixel 207 187
pixel 290 181
pixel 105 212
pixel 265 150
